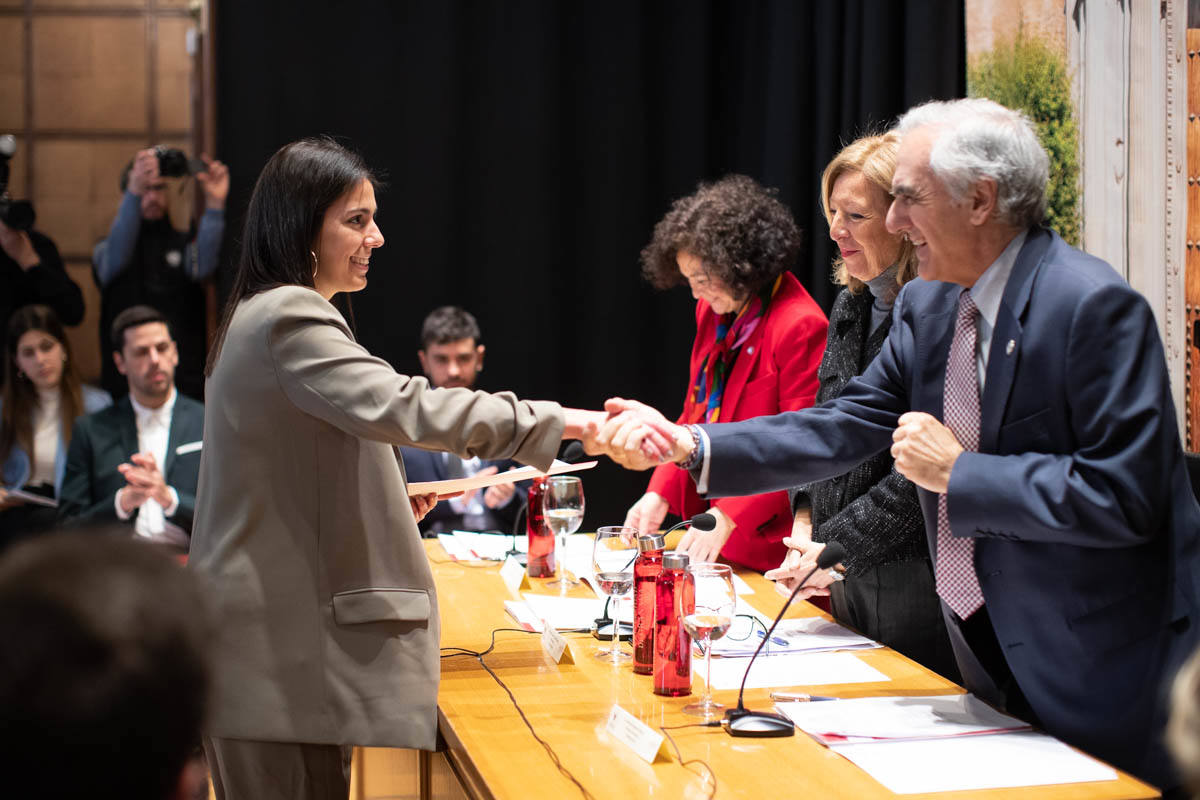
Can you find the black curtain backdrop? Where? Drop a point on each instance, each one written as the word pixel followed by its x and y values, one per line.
pixel 529 147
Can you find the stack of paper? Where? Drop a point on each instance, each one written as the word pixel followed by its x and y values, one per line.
pixel 949 743
pixel 563 613
pixel 470 546
pixel 790 669
pixel 806 635
pixel 870 719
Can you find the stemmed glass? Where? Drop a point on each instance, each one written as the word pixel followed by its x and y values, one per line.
pixel 716 602
pixel 562 509
pixel 612 564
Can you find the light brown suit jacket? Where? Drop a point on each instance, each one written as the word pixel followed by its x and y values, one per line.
pixel 326 609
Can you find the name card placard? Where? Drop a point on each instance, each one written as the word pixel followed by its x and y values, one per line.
pixel 634 734
pixel 555 646
pixel 513 575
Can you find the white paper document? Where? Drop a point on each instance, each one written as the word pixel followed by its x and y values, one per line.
pixel 891 718
pixel 471 546
pixel 566 613
pixel 577 557
pixel 483 481
pixel 959 764
pixel 794 669
pixel 803 635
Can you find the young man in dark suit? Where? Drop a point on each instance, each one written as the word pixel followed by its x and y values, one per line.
pixel 451 356
pixel 138 460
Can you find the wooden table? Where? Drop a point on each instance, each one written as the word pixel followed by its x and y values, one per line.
pixel 493 755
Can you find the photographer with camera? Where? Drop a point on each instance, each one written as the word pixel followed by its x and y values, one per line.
pixel 31 270
pixel 155 255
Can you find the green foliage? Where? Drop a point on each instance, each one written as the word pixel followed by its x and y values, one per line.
pixel 1030 74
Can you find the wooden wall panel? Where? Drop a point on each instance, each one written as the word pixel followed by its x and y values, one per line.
pixel 84 337
pixel 77 191
pixel 108 77
pixel 89 73
pixel 12 74
pixel 99 5
pixel 1192 264
pixel 173 75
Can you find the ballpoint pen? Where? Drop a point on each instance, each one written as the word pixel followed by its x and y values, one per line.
pixel 774 639
pixel 797 697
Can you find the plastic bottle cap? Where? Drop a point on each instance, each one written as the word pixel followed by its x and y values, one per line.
pixel 648 542
pixel 674 560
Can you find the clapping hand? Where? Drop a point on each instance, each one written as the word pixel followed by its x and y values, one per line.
pixel 143 481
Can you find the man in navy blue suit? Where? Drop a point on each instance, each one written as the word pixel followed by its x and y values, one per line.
pixel 1023 389
pixel 451 355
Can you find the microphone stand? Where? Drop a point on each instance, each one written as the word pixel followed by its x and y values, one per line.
pixel 516 526
pixel 741 721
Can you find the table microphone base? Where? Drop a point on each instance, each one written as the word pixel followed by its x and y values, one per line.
pixel 758 724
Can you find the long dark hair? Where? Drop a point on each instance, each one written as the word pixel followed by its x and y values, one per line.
pixel 20 396
pixel 294 190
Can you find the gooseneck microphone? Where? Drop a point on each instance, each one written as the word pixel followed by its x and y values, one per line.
pixel 701 522
pixel 742 722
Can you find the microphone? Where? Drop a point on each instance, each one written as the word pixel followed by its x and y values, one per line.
pixel 703 522
pixel 741 721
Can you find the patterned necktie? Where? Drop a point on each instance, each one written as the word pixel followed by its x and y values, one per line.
pixel 957 583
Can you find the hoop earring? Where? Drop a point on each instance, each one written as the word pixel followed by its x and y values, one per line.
pixel 316 264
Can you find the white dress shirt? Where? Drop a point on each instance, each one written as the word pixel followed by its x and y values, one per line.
pixel 46 429
pixel 154 431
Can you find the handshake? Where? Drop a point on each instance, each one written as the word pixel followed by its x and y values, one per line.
pixel 633 434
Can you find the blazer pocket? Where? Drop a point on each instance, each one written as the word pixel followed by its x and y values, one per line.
pixel 190 447
pixel 758 397
pixel 1026 433
pixel 380 605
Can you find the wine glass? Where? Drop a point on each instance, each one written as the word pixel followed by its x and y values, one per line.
pixel 716 602
pixel 562 510
pixel 612 564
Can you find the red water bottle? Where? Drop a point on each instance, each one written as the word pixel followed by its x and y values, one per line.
pixel 645 574
pixel 540 562
pixel 674 599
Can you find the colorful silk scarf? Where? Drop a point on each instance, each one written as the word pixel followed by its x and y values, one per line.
pixel 733 330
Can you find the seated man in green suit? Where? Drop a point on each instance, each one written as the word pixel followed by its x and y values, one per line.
pixel 138 460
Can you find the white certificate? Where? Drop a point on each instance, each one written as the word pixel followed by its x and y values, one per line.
pixel 483 481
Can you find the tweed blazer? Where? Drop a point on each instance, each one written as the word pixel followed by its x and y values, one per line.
pixel 324 601
pixel 872 510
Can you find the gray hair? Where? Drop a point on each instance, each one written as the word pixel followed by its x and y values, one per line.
pixel 982 139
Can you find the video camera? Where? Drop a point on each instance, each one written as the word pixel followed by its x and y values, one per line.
pixel 16 214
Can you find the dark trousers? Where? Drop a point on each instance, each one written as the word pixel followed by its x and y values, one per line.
pixel 896 604
pixel 249 770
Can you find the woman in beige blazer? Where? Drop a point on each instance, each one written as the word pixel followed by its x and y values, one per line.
pixel 326 608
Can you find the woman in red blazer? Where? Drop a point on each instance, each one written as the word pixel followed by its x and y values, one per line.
pixel 759 341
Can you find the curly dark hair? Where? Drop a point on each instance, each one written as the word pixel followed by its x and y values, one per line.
pixel 742 235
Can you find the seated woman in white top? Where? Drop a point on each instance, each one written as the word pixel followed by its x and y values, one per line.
pixel 41 398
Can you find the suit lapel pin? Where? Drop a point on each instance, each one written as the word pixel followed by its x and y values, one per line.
pixel 1008 348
